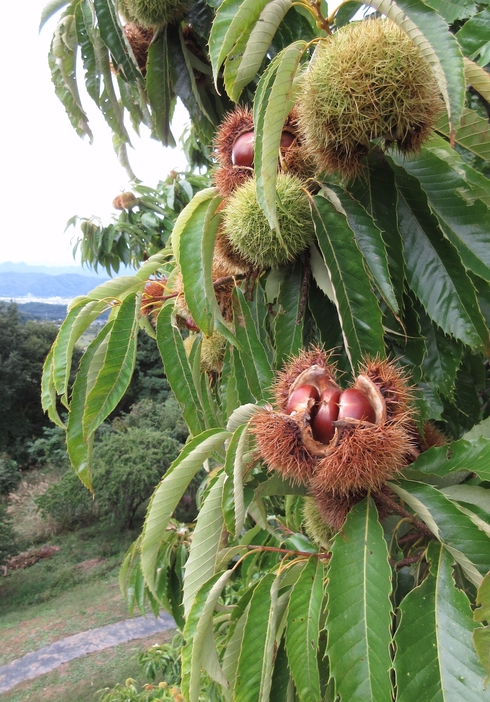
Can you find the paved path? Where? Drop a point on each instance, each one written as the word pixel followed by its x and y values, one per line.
pixel 50 657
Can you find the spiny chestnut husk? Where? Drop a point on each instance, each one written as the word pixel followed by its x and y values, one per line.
pixel 125 201
pixel 228 176
pixel 234 150
pixel 330 510
pixel 139 39
pixel 212 351
pixel 339 442
pixel 249 232
pixel 153 13
pixel 223 293
pixel 152 296
pixel 367 81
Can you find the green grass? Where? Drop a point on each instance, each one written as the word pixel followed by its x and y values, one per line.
pixel 75 590
pixel 79 680
pixel 49 578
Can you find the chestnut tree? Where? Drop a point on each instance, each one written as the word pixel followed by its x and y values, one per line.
pixel 322 312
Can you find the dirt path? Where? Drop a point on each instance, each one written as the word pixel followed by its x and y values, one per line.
pixel 50 657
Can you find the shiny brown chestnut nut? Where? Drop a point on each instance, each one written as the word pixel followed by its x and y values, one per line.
pixel 287 139
pixel 242 153
pixel 304 397
pixel 354 404
pixel 322 424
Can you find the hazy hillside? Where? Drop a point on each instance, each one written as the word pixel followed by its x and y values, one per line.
pixel 13 284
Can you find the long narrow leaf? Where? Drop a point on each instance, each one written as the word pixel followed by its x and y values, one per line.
pixel 206 543
pixel 435 658
pixel 471 456
pixel 178 371
pixel 253 355
pixel 232 19
pixel 359 610
pixel 168 493
pixel 79 447
pixel 303 630
pixel 198 634
pixel 289 320
pixel 273 100
pixel 369 238
pixel 354 297
pixel 455 529
pixel 258 43
pixel 116 373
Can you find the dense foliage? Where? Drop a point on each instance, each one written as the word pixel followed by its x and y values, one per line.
pixel 23 348
pixel 303 579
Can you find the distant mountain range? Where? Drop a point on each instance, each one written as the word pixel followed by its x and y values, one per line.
pixel 19 280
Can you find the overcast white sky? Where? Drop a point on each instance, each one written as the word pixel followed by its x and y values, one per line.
pixel 48 173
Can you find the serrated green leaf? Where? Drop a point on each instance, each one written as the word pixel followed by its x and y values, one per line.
pixel 435 659
pixel 258 371
pixel 430 34
pixel 178 371
pixel 51 9
pixel 109 103
pixel 187 216
pixel 482 613
pixel 79 447
pixel 477 185
pixel 355 301
pixel 369 239
pixel 195 248
pixel 168 493
pixel 473 37
pixel 451 10
pixel 86 38
pixel 377 193
pixel 464 224
pixel 441 284
pixel 205 546
pixel 273 101
pixel 61 355
pixel 472 456
pixel 158 88
pixel 233 500
pixel 258 43
pixel 48 391
pixel 198 635
pixel 253 674
pixel 443 357
pixel 232 20
pixel 303 630
pixel 473 133
pixel 62 64
pixel 472 495
pixel 448 524
pixel 239 378
pixel 359 609
pixel 478 78
pixel 289 319
pixel 115 375
pixel 184 85
pixel 113 37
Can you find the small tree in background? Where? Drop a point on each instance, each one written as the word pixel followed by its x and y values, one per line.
pixel 342 547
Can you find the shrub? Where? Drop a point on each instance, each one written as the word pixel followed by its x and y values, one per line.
pixel 9 474
pixel 126 467
pixel 8 542
pixel 67 502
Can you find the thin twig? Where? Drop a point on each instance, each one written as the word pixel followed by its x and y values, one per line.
pixel 398 509
pixel 288 551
